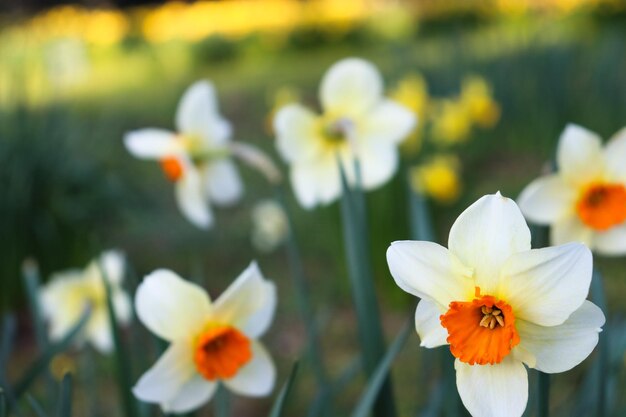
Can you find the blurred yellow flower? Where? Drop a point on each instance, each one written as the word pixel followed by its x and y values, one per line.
pixel 438 178
pixel 477 96
pixel 452 122
pixel 62 364
pixel 270 226
pixel 412 92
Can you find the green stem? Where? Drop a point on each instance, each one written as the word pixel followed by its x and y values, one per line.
pixel 121 354
pixel 543 394
pixel 598 295
pixel 356 240
pixel 222 402
pixel 303 298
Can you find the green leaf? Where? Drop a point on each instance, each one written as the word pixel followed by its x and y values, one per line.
pixel 420 217
pixel 314 351
pixel 543 394
pixel 281 399
pixel 42 363
pixel 3 404
pixel 122 362
pixel 356 241
pixel 376 382
pixel 35 406
pixel 65 401
pixel 30 276
pixel 598 296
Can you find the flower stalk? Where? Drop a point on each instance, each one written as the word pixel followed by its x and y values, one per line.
pixel 353 216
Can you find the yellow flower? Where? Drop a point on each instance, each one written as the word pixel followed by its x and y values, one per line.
pixel 476 95
pixel 412 92
pixel 498 304
pixel 585 201
pixel 438 178
pixel 452 122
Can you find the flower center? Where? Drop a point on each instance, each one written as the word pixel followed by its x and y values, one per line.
pixel 602 206
pixel 337 131
pixel 481 331
pixel 172 168
pixel 220 352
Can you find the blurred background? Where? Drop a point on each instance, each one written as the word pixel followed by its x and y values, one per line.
pixel 493 83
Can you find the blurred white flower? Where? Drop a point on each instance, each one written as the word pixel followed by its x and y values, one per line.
pixel 499 304
pixel 67 295
pixel 270 226
pixel 210 342
pixel 585 200
pixel 356 122
pixel 196 157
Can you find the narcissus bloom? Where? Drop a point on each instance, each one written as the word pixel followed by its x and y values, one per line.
pixel 210 342
pixel 65 298
pixel 499 304
pixel 356 122
pixel 196 157
pixel 585 201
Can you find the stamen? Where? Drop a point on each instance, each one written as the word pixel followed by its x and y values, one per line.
pixel 491 317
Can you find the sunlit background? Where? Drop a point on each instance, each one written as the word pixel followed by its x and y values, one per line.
pixel 492 82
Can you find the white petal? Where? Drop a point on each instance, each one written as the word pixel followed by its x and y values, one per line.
pixel 257 377
pixel 164 380
pixel 612 242
pixel 388 122
pixel 570 229
pixel 428 325
pixel 378 163
pixel 316 182
pixel 297 133
pixel 485 235
pixel 151 143
pixel 249 303
pixel 171 307
pixel 192 199
pixel 499 390
pixel 350 87
pixel 62 302
pixel 579 155
pixel 198 114
pixel 114 263
pixel 194 393
pixel 560 348
pixel 99 331
pixel 223 182
pixel 428 270
pixel 547 199
pixel 615 155
pixel 122 305
pixel 544 286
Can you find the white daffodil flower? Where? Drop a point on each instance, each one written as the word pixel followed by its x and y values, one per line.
pixel 196 157
pixel 357 122
pixel 67 295
pixel 499 304
pixel 585 201
pixel 210 342
pixel 270 226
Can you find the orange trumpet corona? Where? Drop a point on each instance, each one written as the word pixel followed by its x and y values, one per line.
pixel 172 168
pixel 220 352
pixel 481 331
pixel 602 206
